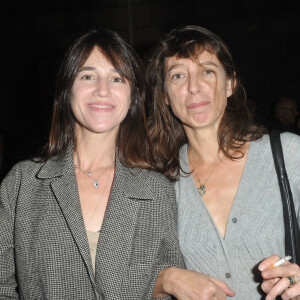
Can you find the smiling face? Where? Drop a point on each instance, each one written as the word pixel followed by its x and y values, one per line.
pixel 197 90
pixel 100 96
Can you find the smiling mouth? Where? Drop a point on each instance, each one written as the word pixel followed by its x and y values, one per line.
pixel 100 106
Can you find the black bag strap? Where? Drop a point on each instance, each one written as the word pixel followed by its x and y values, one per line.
pixel 292 232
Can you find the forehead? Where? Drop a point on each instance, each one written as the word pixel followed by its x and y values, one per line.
pixel 204 58
pixel 97 56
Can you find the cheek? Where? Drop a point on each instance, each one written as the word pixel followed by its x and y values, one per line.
pixel 125 104
pixel 175 105
pixel 76 95
pixel 128 101
pixel 174 97
pixel 220 103
pixel 75 104
pixel 173 93
pixel 221 94
pixel 124 95
pixel 76 91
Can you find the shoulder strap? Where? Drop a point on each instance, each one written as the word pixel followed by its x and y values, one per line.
pixel 292 232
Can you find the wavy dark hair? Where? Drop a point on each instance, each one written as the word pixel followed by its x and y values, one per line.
pixel 131 141
pixel 165 130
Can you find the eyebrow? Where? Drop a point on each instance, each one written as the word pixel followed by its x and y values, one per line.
pixel 205 63
pixel 174 67
pixel 209 63
pixel 87 68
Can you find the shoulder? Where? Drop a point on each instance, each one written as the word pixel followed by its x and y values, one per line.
pixel 290 140
pixel 262 141
pixel 157 187
pixel 23 169
pixel 144 184
pixel 290 145
pixel 183 151
pixel 150 177
pixel 22 176
pixel 183 158
pixel 22 172
pixel 148 185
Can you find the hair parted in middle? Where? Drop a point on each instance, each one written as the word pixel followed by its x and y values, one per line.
pixel 131 142
pixel 166 131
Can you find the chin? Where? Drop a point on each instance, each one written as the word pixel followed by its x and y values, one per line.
pixel 201 119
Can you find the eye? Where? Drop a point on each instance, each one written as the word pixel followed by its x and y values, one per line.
pixel 176 76
pixel 209 72
pixel 87 77
pixel 118 79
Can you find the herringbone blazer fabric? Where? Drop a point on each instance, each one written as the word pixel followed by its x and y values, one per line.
pixel 44 252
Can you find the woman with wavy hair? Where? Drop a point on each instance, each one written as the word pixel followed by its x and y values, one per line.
pixel 230 217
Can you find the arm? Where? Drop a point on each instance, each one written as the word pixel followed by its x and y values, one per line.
pixel 187 284
pixel 8 284
pixel 275 282
pixel 170 255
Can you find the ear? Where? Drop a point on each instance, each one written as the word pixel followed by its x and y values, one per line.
pixel 167 100
pixel 231 83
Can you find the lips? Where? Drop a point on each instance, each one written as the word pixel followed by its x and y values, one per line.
pixel 100 106
pixel 198 105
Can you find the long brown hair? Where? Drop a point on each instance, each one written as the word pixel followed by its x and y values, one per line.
pixel 131 141
pixel 166 131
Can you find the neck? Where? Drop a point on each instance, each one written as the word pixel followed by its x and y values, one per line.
pixel 203 146
pixel 94 151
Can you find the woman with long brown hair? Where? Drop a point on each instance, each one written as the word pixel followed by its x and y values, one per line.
pixel 87 220
pixel 230 217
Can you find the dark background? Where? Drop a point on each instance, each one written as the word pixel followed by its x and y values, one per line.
pixel 263 36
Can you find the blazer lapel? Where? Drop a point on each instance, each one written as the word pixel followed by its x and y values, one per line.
pixel 64 187
pixel 117 232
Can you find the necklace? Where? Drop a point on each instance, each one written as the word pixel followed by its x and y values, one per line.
pixel 89 173
pixel 202 189
pixel 88 222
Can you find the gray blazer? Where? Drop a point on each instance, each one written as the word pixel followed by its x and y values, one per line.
pixel 44 252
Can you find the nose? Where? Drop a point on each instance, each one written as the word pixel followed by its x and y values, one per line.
pixel 102 88
pixel 194 84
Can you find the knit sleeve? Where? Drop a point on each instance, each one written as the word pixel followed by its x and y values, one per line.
pixel 8 198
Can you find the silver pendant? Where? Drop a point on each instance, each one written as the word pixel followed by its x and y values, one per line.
pixel 96 184
pixel 201 190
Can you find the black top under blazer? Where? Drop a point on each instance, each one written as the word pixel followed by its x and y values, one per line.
pixel 44 252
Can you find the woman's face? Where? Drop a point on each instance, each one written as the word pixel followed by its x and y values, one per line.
pixel 197 90
pixel 100 96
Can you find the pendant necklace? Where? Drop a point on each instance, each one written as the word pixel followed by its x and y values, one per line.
pixel 202 189
pixel 91 217
pixel 95 180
